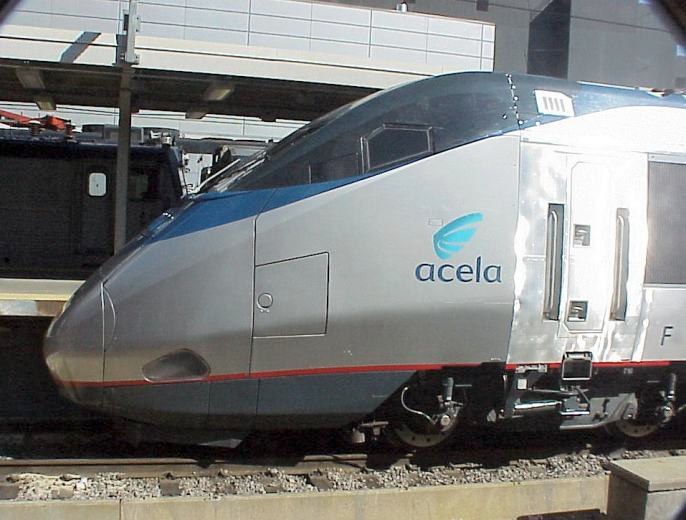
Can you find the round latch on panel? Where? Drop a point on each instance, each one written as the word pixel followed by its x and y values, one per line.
pixel 265 300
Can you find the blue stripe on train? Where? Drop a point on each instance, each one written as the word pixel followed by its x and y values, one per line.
pixel 210 210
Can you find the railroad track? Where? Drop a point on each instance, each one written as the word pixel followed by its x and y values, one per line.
pixel 153 467
pixel 53 454
pixel 150 471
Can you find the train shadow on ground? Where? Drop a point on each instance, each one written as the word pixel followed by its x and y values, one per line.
pixel 483 448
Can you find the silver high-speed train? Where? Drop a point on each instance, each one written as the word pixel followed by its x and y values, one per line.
pixel 468 248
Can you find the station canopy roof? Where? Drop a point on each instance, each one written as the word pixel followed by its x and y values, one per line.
pixel 190 92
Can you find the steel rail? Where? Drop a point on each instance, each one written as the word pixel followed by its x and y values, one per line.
pixel 181 467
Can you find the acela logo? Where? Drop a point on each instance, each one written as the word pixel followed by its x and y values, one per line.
pixel 449 240
pixel 453 236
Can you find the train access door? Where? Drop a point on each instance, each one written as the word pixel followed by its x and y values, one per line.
pixel 576 244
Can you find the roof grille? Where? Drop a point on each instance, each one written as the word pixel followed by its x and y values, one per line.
pixel 554 103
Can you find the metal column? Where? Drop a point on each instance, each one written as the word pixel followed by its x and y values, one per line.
pixel 126 57
pixel 123 156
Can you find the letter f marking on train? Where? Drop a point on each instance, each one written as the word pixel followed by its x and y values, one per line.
pixel 666 333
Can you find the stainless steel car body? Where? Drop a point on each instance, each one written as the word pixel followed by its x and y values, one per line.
pixel 594 165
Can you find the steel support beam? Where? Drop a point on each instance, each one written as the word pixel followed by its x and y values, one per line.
pixel 123 156
pixel 125 60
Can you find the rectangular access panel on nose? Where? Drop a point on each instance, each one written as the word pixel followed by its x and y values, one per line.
pixel 291 297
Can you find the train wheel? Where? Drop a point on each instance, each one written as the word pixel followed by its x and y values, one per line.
pixel 413 434
pixel 653 412
pixel 633 428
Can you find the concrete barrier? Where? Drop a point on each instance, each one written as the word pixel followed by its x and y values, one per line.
pixel 57 510
pixel 648 489
pixel 501 501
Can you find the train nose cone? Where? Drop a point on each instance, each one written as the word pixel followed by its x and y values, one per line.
pixel 73 347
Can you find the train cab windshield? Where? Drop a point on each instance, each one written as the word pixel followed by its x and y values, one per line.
pixel 381 131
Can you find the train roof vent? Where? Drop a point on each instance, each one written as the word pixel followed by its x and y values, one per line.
pixel 554 103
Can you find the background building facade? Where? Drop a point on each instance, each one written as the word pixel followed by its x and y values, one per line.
pixel 626 42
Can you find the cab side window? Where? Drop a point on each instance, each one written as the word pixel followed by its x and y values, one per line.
pixel 392 144
pixel 389 129
pixel 332 169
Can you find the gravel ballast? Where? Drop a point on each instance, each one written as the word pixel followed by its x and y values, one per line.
pixel 118 486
